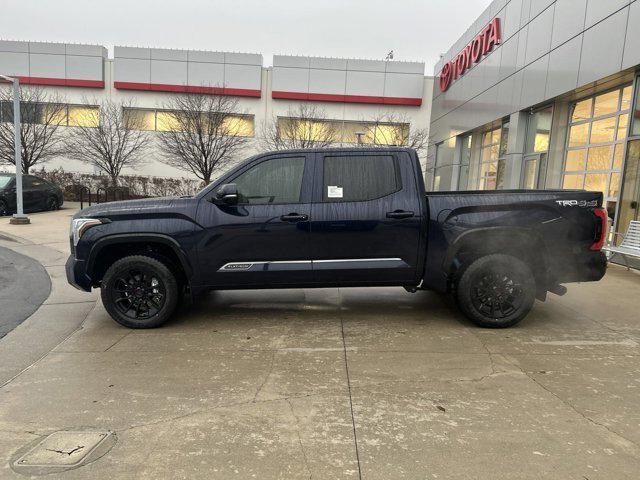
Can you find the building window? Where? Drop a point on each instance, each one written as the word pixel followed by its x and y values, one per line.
pixel 596 143
pixel 53 114
pixel 492 158
pixel 536 148
pixel 166 120
pixel 465 160
pixel 359 178
pixel 339 131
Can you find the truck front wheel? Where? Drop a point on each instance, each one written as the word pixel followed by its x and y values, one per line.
pixel 139 292
pixel 496 291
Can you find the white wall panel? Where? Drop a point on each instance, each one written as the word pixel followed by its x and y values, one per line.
pixel 290 80
pixel 131 52
pixel 631 55
pixel 13 63
pixel 132 70
pixel 534 82
pixel 205 57
pixel 50 48
pixel 290 61
pixel 243 58
pixel 365 83
pixel 205 74
pixel 327 81
pixel 599 9
pixel 168 54
pixel 508 59
pixel 511 20
pixel 13 46
pixel 242 76
pixel 568 20
pixel 602 48
pixel 403 85
pixel 365 65
pixel 44 65
pixel 564 64
pixel 168 72
pixel 328 63
pixel 86 50
pixel 83 67
pixel 405 67
pixel 539 35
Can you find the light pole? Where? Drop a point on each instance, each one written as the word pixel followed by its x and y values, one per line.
pixel 19 218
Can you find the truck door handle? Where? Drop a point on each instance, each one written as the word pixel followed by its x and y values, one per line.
pixel 294 217
pixel 399 214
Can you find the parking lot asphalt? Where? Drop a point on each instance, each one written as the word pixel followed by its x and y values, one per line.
pixel 329 383
pixel 24 285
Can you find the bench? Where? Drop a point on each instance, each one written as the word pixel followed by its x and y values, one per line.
pixel 630 246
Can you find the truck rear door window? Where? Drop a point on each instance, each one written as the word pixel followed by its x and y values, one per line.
pixel 357 178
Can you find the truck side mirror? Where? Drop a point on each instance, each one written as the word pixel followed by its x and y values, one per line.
pixel 227 194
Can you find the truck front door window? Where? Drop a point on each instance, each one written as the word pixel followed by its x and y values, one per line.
pixel 278 180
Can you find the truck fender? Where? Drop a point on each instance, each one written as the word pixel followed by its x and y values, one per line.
pixel 499 239
pixel 140 238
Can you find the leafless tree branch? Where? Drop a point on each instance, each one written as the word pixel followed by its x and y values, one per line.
pixel 109 139
pixel 305 126
pixel 392 129
pixel 204 134
pixel 41 115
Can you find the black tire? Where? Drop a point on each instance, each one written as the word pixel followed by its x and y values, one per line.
pixel 52 204
pixel 4 208
pixel 139 292
pixel 496 291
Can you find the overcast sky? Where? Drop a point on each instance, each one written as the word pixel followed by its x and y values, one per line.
pixel 414 29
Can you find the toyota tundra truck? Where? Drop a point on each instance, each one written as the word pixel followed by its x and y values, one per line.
pixel 338 218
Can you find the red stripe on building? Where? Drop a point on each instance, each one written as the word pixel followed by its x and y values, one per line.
pixel 325 97
pixel 160 87
pixel 61 82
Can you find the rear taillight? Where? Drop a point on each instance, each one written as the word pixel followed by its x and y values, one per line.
pixel 601 235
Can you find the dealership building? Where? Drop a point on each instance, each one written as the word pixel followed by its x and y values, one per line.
pixel 366 101
pixel 542 94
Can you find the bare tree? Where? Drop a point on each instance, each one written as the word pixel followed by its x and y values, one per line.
pixel 109 138
pixel 385 130
pixel 202 134
pixel 41 115
pixel 306 126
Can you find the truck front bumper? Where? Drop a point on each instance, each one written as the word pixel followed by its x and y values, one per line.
pixel 76 274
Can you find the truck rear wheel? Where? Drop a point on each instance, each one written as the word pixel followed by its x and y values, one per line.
pixel 496 291
pixel 139 292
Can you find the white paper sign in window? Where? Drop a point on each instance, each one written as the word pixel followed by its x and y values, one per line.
pixel 334 191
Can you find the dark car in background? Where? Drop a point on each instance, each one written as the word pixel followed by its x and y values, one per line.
pixel 37 194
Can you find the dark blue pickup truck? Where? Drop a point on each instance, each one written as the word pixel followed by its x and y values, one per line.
pixel 338 218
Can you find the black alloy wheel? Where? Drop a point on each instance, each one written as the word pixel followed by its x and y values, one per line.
pixel 4 210
pixel 496 291
pixel 139 292
pixel 497 294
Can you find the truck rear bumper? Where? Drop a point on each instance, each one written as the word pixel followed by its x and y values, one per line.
pixel 76 275
pixel 589 267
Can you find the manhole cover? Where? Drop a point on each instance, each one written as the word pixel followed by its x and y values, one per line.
pixel 63 450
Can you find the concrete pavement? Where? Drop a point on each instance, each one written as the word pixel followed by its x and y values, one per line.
pixel 332 383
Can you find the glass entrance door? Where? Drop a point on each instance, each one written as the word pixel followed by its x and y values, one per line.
pixel 630 199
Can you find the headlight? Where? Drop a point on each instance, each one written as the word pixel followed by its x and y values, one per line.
pixel 81 225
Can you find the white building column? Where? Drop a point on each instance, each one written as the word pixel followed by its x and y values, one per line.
pixel 515 149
